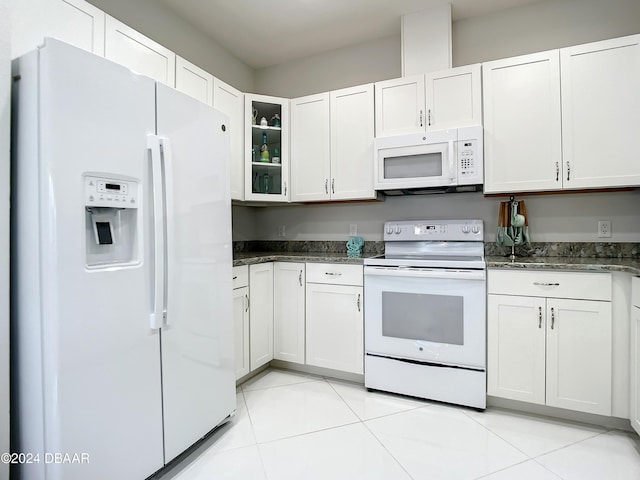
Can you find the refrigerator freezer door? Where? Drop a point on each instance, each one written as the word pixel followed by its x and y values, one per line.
pixel 197 339
pixel 98 381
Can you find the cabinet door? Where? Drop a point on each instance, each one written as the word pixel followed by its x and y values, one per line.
pixel 601 113
pixel 335 327
pixel 288 312
pixel 635 368
pixel 522 131
pixel 516 348
pixel 260 314
pixel 241 330
pixel 400 106
pixel 130 48
pixel 454 98
pixel 266 148
pixel 230 101
pixel 310 164
pixel 579 355
pixel 352 131
pixel 194 81
pixel 73 21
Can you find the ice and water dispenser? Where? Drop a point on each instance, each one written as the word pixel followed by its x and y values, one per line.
pixel 111 220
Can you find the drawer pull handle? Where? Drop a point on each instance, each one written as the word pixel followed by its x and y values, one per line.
pixel 247 298
pixel 553 318
pixel 539 317
pixel 333 274
pixel 546 284
pixel 358 302
pixel 300 278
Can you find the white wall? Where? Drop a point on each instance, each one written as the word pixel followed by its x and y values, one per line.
pixel 537 27
pixel 345 67
pixel 5 105
pixel 542 26
pixel 552 218
pixel 157 22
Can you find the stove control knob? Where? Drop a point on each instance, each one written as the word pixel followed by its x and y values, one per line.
pixel 475 229
pixel 389 229
pixel 465 229
pixel 398 229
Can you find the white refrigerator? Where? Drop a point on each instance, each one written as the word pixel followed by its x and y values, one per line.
pixel 122 331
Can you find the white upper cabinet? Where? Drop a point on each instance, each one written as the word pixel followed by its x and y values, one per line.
pixel 439 100
pixel 266 148
pixel 454 97
pixel 230 101
pixel 400 106
pixel 522 123
pixel 563 119
pixel 73 21
pixel 601 113
pixel 352 132
pixel 310 148
pixel 126 46
pixel 194 81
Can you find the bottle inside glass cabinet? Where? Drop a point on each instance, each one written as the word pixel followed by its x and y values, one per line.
pixel 266 140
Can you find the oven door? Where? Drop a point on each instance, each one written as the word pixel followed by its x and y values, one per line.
pixel 403 163
pixel 427 315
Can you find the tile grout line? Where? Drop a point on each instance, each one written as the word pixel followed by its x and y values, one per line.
pixel 253 431
pixel 364 424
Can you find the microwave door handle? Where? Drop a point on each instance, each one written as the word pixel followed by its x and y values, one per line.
pixel 453 153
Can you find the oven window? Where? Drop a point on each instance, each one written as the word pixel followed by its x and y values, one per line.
pixel 413 166
pixel 432 318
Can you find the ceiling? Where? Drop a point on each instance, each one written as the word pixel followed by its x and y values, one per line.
pixel 265 33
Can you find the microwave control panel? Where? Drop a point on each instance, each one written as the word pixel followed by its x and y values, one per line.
pixel 469 162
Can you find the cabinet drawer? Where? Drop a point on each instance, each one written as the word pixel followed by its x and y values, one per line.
pixel 550 283
pixel 334 273
pixel 635 291
pixel 240 276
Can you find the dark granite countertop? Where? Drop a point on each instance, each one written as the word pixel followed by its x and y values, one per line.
pixel 592 264
pixel 251 258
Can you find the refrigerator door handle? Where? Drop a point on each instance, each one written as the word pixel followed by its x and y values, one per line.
pixel 157 301
pixel 167 165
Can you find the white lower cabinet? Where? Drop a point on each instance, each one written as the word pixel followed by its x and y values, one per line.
pixel 334 312
pixel 260 314
pixel 241 319
pixel 289 312
pixel 546 350
pixel 635 354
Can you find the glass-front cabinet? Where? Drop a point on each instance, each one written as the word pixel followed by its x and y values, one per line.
pixel 266 148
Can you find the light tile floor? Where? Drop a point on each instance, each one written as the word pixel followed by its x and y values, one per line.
pixel 293 426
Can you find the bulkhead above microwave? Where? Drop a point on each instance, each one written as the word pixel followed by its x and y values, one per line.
pixel 436 161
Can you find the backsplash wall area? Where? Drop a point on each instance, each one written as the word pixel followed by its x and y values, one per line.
pixel 552 217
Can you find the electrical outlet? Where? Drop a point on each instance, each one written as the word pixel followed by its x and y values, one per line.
pixel 281 230
pixel 353 229
pixel 604 228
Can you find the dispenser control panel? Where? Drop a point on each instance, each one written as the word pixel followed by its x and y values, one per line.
pixel 109 192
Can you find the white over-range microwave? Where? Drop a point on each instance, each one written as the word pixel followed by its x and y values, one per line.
pixel 436 161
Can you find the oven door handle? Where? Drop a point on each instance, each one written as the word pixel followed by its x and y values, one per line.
pixel 425 273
